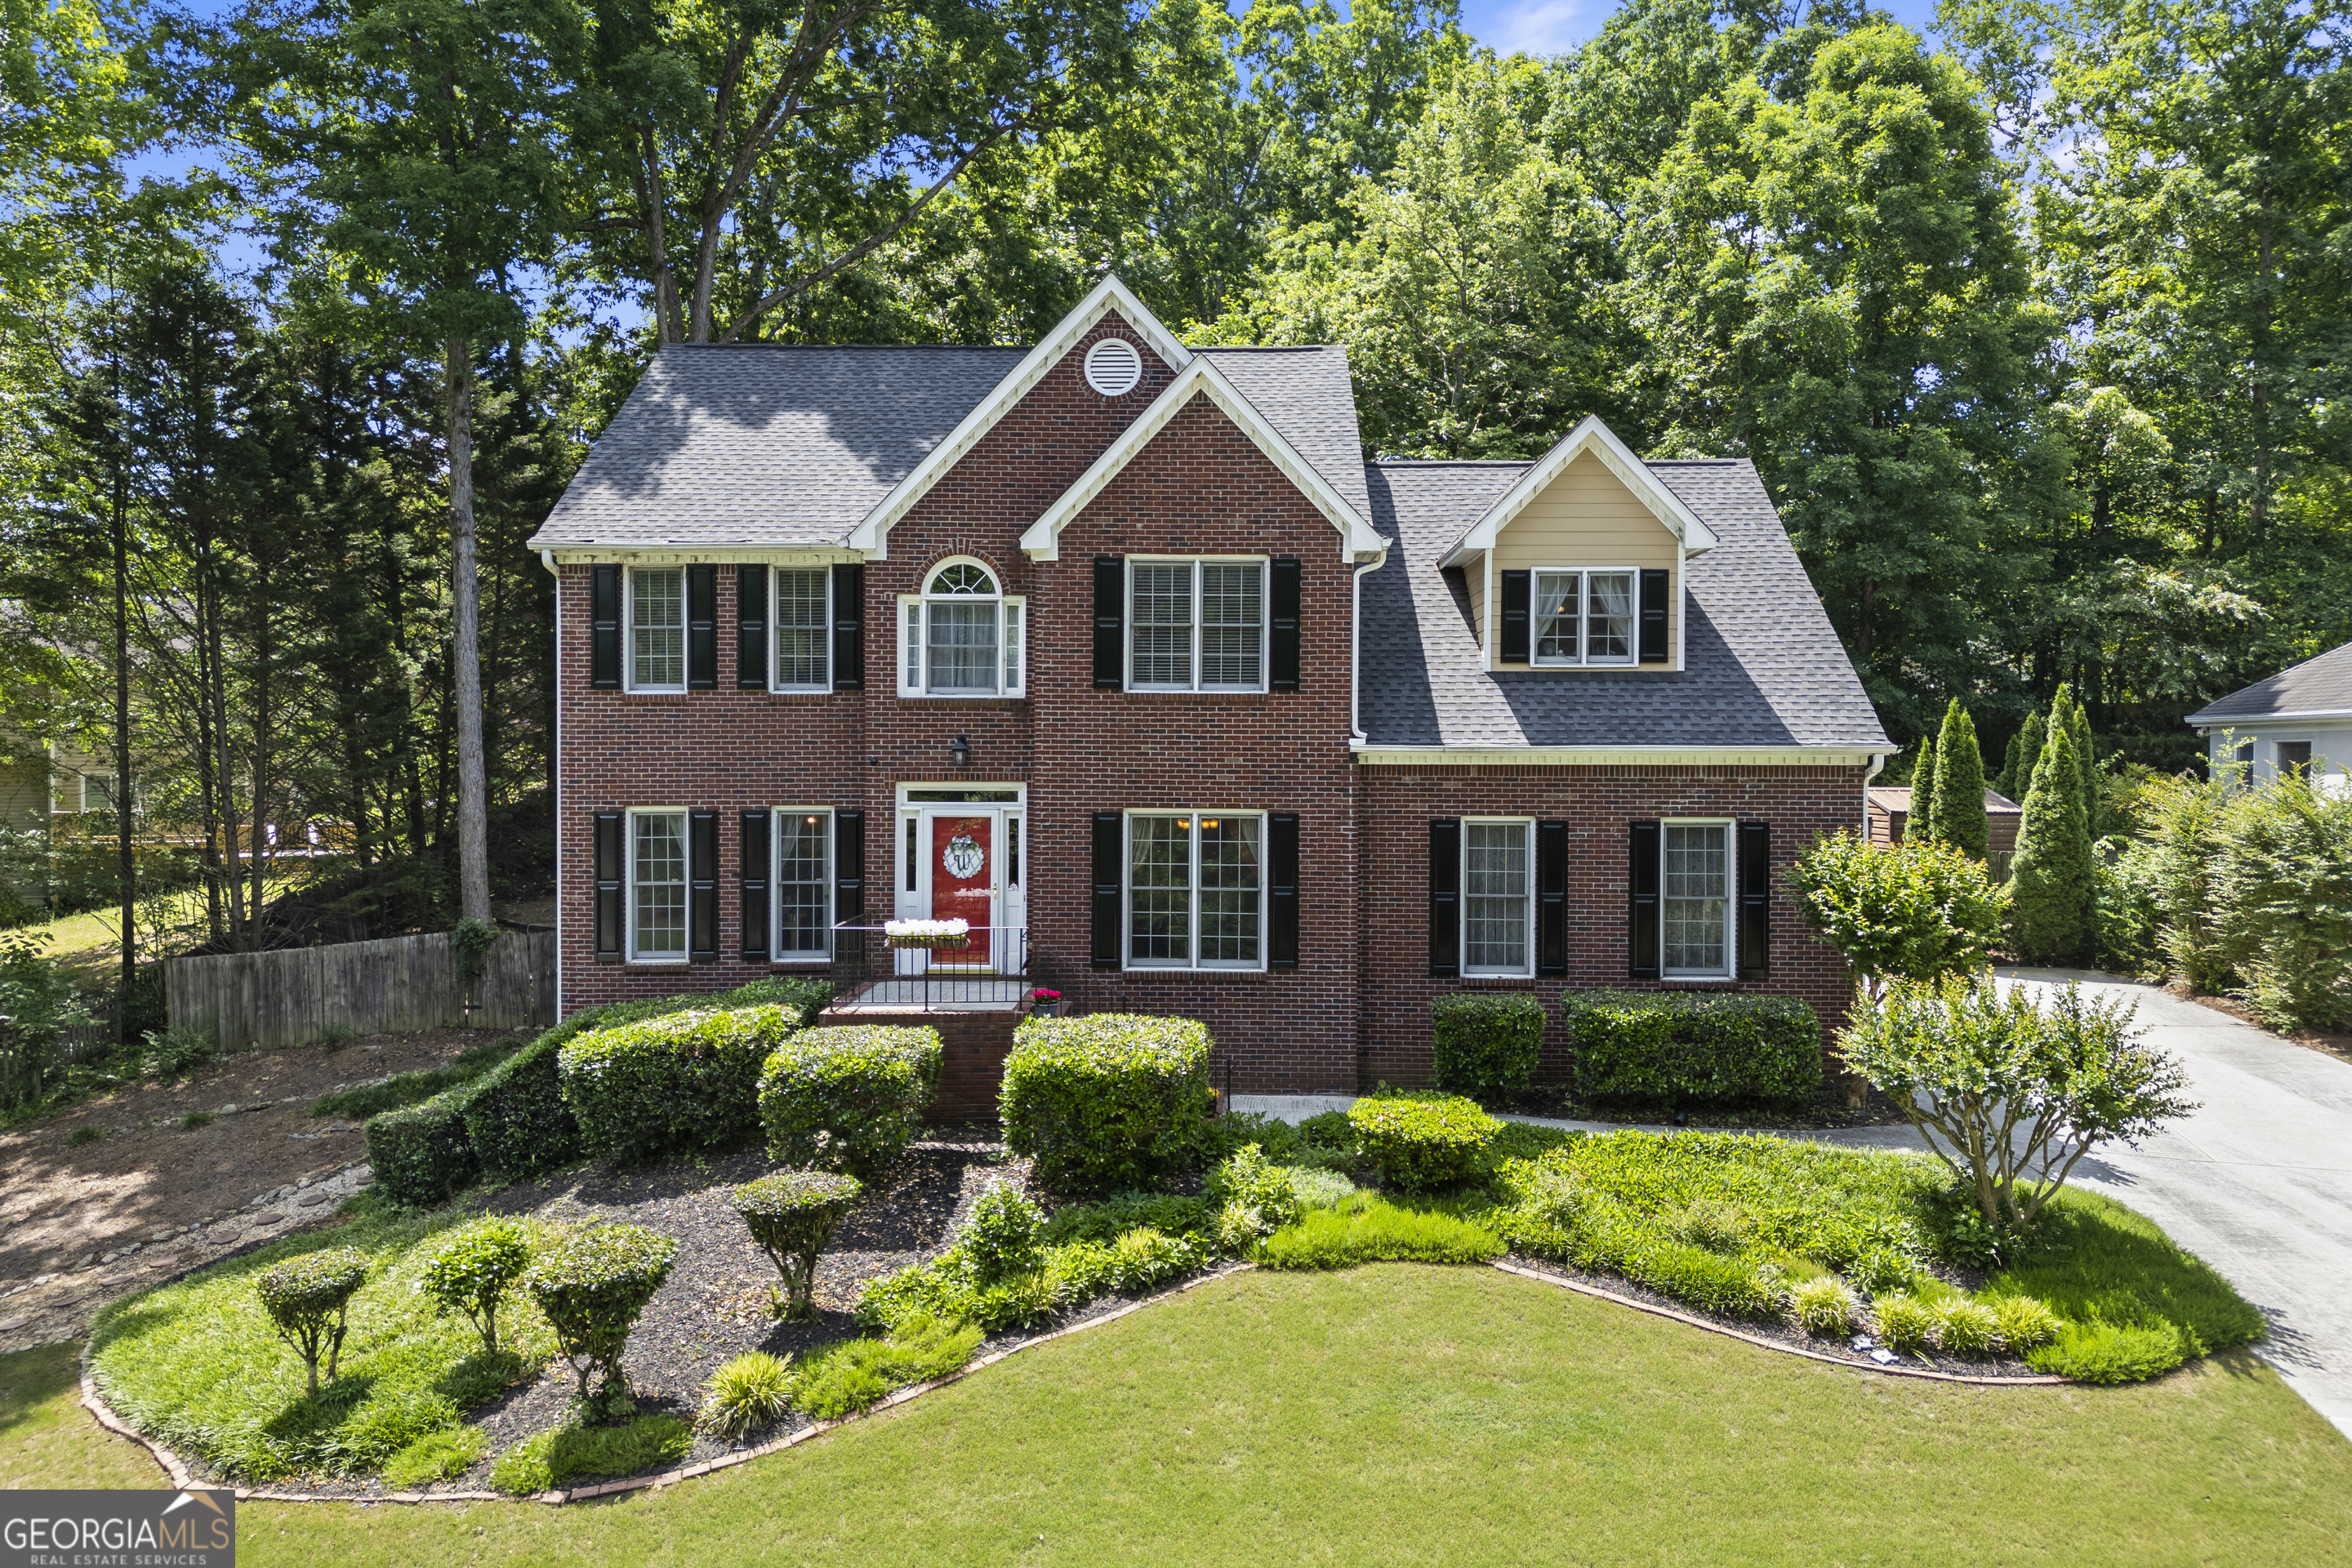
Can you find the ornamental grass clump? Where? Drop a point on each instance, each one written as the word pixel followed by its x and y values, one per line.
pixel 1906 1322
pixel 1109 1101
pixel 1421 1139
pixel 847 1098
pixel 792 1215
pixel 471 1271
pixel 1967 1328
pixel 746 1394
pixel 667 1085
pixel 307 1299
pixel 1826 1308
pixel 2024 1323
pixel 592 1284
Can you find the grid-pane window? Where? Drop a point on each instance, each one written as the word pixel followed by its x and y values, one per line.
pixel 657 884
pixel 1233 623
pixel 804 883
pixel 960 636
pixel 1229 890
pixel 1011 646
pixel 1195 890
pixel 803 628
pixel 1160 889
pixel 1164 623
pixel 1494 897
pixel 1609 617
pixel 1558 595
pixel 1697 898
pixel 657 629
pixel 960 649
pixel 1197 625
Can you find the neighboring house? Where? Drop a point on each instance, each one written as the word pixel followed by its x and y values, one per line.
pixel 1122 652
pixel 1890 809
pixel 40 782
pixel 2299 718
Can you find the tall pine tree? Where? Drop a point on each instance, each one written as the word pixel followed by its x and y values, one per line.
pixel 1960 783
pixel 2086 768
pixel 2051 881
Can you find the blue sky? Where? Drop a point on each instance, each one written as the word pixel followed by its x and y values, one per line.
pixel 1548 26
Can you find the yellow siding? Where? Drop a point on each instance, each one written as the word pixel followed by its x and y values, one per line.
pixel 1586 517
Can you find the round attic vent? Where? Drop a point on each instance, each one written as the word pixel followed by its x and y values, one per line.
pixel 1113 367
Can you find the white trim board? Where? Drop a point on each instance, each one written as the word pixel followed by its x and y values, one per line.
pixel 1358 541
pixel 701 555
pixel 1590 436
pixel 1607 756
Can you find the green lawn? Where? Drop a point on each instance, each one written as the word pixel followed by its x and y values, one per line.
pixel 1403 1413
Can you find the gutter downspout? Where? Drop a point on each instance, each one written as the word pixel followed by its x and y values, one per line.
pixel 1877 765
pixel 1356 736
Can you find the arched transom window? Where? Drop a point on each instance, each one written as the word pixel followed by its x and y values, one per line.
pixel 960 636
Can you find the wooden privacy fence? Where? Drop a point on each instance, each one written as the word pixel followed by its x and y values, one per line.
pixel 263 1001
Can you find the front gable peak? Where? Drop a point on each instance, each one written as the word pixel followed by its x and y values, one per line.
pixel 1591 435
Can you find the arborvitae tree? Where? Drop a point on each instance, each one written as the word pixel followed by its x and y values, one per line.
pixel 1960 783
pixel 2024 750
pixel 2051 881
pixel 1921 824
pixel 2087 770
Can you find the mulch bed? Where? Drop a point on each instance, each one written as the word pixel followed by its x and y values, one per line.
pixel 1825 1111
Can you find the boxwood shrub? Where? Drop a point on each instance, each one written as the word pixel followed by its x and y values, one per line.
pixel 1421 1139
pixel 792 1215
pixel 847 1098
pixel 1693 1046
pixel 420 1153
pixel 592 1284
pixel 1485 1042
pixel 688 1081
pixel 1108 1102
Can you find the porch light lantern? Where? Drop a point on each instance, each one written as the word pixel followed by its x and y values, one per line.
pixel 960 752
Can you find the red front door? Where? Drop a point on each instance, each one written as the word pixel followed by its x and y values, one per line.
pixel 963 871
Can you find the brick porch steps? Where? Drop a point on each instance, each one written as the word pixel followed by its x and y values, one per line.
pixel 976 1040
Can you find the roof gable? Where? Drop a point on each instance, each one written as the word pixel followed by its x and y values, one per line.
pixel 1590 436
pixel 2320 686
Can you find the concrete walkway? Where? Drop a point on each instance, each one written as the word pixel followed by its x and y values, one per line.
pixel 2257 1182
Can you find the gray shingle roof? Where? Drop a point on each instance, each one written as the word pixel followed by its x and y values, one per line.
pixel 2322 684
pixel 1763 666
pixel 767 445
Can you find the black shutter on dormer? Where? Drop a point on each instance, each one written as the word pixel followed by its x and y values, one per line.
pixel 1110 622
pixel 1282 629
pixel 1517 591
pixel 849 627
pixel 1655 581
pixel 1103 951
pixel 1642 932
pixel 609 827
pixel 1755 901
pixel 1552 898
pixel 750 628
pixel 1445 895
pixel 605 627
pixel 1282 890
pixel 702 885
pixel 753 872
pixel 702 629
pixel 849 885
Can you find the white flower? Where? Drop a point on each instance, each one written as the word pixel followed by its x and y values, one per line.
pixel 927 928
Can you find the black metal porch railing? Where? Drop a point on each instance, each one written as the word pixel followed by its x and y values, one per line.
pixel 989 974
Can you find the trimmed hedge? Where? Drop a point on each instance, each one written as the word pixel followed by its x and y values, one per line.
pixel 688 1082
pixel 420 1153
pixel 1693 1046
pixel 1108 1101
pixel 1422 1139
pixel 1485 1042
pixel 848 1098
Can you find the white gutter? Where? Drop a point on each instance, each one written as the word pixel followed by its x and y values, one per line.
pixel 1877 765
pixel 2230 721
pixel 1485 756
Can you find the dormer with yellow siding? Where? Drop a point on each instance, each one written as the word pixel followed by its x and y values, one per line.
pixel 1579 566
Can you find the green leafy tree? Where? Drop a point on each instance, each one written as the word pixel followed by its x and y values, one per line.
pixel 1959 784
pixel 2052 884
pixel 2282 901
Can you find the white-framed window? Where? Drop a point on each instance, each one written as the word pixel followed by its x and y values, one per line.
pixel 1587 615
pixel 2291 756
pixel 1196 625
pixel 801 629
pixel 803 882
pixel 962 636
pixel 657 886
pixel 1195 889
pixel 1499 905
pixel 656 628
pixel 1695 901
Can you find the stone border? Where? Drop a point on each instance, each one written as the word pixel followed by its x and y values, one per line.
pixel 1889 1369
pixel 173 1466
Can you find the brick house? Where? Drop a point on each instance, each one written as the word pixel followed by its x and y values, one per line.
pixel 1124 654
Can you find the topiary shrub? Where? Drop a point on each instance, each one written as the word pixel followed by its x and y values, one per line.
pixel 792 1215
pixel 1693 1046
pixel 847 1098
pixel 515 1116
pixel 306 1299
pixel 421 1154
pixel 688 1081
pixel 471 1271
pixel 1485 1043
pixel 1421 1139
pixel 1002 1235
pixel 1108 1102
pixel 592 1284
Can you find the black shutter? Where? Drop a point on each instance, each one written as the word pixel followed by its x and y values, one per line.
pixel 1518 593
pixel 1642 932
pixel 753 871
pixel 605 627
pixel 1107 850
pixel 1282 890
pixel 849 628
pixel 702 629
pixel 1110 622
pixel 1755 900
pixel 750 628
pixel 1654 583
pixel 702 885
pixel 1445 895
pixel 849 884
pixel 609 827
pixel 1282 632
pixel 1552 898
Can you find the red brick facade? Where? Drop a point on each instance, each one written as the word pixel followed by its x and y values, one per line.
pixel 1356 1007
